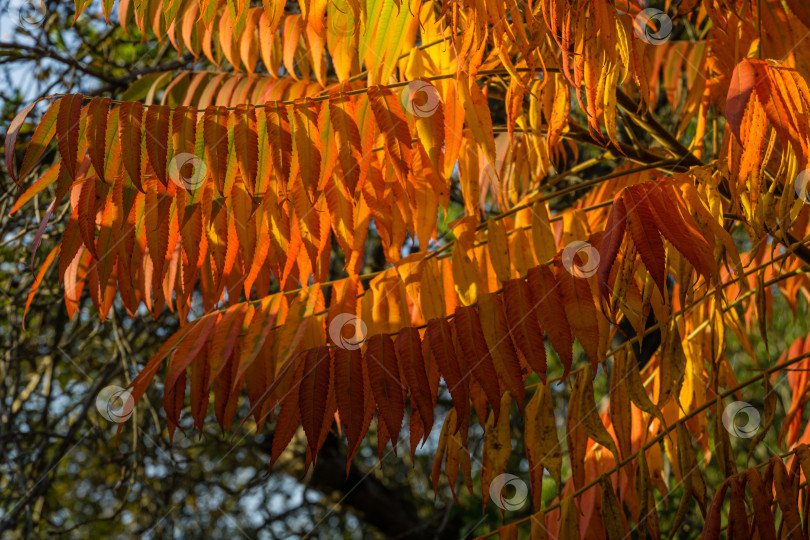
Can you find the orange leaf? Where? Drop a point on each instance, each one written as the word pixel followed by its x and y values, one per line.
pixel 215 137
pixel 38 280
pixel 184 131
pixel 394 128
pixel 347 135
pixel 190 346
pixel 14 130
pixel 246 143
pixel 341 212
pixel 306 156
pixel 280 140
pixel 498 248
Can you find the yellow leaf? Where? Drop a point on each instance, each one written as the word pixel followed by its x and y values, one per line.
pixel 477 115
pixel 545 247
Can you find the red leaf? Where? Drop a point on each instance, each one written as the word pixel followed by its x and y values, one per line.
pixel 441 345
pixel 738 514
pixel 551 313
pixel 200 390
pixel 351 396
pixel 712 526
pixel 192 332
pixel 496 332
pixel 580 310
pixel 786 497
pixel 313 393
pixel 67 131
pixel 96 135
pixel 129 131
pixel 225 399
pixel 190 346
pixel 409 351
pixel 289 415
pixel 173 398
pixel 383 375
pixel 677 225
pixel 280 140
pixel 645 235
pixel 223 340
pixel 761 499
pixel 474 347
pixel 86 213
pixel 523 324
pixel 156 125
pixel 611 241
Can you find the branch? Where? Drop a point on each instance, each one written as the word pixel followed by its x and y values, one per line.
pixel 48 53
pixel 671 143
pixel 133 75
